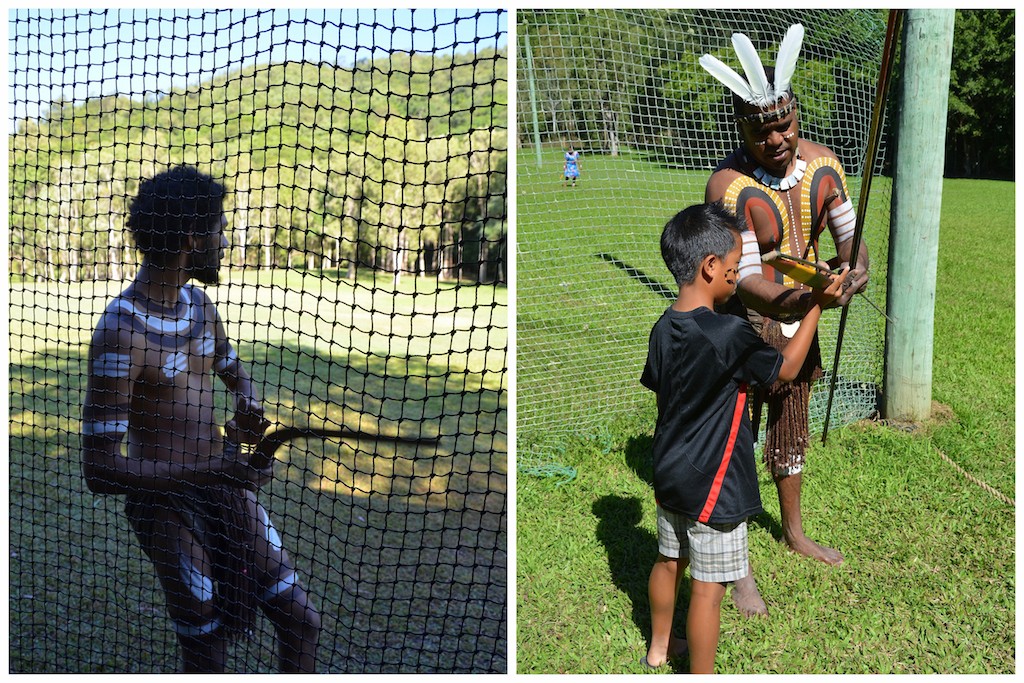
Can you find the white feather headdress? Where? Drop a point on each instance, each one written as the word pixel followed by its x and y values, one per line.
pixel 755 88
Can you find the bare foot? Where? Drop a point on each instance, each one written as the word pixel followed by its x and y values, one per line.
pixel 747 598
pixel 677 647
pixel 805 546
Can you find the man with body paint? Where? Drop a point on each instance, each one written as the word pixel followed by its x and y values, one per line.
pixel 189 488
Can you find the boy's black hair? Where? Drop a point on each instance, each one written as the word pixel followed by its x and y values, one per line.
pixel 170 206
pixel 695 233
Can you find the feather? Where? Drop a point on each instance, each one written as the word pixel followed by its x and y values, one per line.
pixel 785 65
pixel 727 76
pixel 760 88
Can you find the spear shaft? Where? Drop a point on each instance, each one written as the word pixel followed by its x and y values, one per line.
pixel 875 133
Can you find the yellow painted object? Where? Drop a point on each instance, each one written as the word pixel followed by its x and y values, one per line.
pixel 800 270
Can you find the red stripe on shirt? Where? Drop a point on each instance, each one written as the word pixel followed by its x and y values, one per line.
pixel 716 485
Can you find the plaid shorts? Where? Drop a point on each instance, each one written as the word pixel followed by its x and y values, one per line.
pixel 717 552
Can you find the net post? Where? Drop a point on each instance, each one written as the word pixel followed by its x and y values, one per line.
pixel 914 244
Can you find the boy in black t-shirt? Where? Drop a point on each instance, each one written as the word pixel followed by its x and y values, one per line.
pixel 701 365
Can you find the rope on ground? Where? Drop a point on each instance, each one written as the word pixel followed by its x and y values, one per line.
pixel 967 475
pixel 565 473
pixel 1006 499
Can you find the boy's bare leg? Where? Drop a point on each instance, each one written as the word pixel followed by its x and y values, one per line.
pixel 747 597
pixel 662 589
pixel 703 622
pixel 792 523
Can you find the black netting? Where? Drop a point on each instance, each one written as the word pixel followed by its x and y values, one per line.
pixel 362 156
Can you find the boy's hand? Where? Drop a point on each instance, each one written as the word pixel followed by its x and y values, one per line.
pixel 835 292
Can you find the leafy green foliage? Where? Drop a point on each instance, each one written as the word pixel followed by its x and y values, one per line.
pixel 366 165
pixel 980 137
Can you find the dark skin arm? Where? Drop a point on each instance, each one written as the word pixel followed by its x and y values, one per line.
pixel 796 350
pixel 108 399
pixel 248 423
pixel 108 471
pixel 858 276
pixel 771 298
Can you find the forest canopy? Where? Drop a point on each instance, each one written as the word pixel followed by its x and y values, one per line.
pixel 397 164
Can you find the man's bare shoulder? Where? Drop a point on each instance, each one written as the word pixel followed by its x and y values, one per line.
pixel 116 316
pixel 727 170
pixel 198 296
pixel 809 151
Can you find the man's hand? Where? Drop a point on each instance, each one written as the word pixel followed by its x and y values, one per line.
pixel 856 281
pixel 248 424
pixel 234 465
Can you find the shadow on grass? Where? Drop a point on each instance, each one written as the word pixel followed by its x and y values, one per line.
pixel 640 276
pixel 632 551
pixel 393 542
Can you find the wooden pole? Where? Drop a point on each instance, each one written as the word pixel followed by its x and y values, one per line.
pixel 916 205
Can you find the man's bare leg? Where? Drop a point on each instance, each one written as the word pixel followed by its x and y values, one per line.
pixel 297 625
pixel 203 654
pixel 747 597
pixel 792 523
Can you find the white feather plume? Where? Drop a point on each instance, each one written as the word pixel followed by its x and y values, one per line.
pixel 727 76
pixel 760 88
pixel 785 65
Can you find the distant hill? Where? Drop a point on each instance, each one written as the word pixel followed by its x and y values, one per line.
pixel 387 164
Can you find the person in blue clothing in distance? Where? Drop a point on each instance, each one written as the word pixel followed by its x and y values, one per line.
pixel 571 168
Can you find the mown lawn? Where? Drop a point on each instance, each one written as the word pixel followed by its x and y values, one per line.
pixel 392 542
pixel 928 585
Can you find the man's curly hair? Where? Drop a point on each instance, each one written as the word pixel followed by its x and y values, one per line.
pixel 171 205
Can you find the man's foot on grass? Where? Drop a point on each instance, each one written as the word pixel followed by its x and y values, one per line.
pixel 677 647
pixel 747 598
pixel 802 545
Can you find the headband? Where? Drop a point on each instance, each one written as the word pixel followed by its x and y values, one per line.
pixel 755 89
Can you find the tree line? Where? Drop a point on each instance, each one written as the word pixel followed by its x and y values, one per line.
pixel 396 164
pixel 612 79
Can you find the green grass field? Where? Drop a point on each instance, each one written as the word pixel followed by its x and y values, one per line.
pixel 928 585
pixel 393 542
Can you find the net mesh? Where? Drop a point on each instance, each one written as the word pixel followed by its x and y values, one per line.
pixel 625 90
pixel 362 284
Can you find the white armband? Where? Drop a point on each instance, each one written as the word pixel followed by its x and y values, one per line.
pixel 114 429
pixel 842 221
pixel 116 365
pixel 750 257
pixel 225 362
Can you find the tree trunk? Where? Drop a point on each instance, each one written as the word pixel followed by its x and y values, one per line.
pixel 610 120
